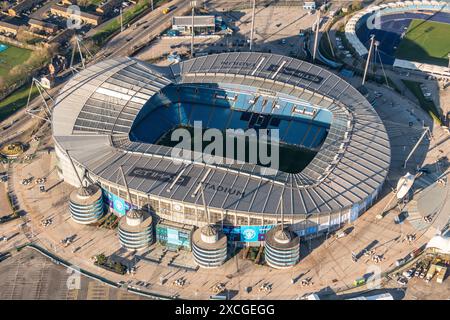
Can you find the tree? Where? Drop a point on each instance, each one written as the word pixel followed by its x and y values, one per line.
pixel 4 5
pixel 356 5
pixel 23 35
pixel 118 267
pixel 3 84
pixel 83 3
pixel 101 259
pixel 18 71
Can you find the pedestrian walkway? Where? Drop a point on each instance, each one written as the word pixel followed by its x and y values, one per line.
pixel 429 199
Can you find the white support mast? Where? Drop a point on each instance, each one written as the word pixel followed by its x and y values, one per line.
pixel 316 37
pixel 77 49
pixel 281 211
pixel 41 90
pixel 126 186
pixel 253 25
pixel 372 40
pixel 427 130
pixel 208 218
pixel 74 168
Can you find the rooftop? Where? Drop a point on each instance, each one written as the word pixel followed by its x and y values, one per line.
pixel 199 21
pixel 96 109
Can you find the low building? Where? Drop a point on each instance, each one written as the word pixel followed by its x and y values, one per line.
pixel 6 27
pixel 430 69
pixel 87 18
pixel 23 6
pixel 202 24
pixel 108 7
pixel 440 245
pixel 38 25
pixel 173 235
pixel 309 5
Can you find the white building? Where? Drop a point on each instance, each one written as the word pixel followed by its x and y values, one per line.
pixel 309 5
pixel 202 24
pixel 439 244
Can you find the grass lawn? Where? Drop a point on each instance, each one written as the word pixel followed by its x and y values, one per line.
pixel 426 42
pixel 16 101
pixel 426 105
pixel 12 57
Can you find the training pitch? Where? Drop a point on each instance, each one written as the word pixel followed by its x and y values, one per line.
pixel 12 57
pixel 427 42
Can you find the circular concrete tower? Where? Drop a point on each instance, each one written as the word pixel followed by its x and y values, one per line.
pixel 136 230
pixel 282 247
pixel 86 204
pixel 209 247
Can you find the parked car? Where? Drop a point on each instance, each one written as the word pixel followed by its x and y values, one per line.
pixel 402 281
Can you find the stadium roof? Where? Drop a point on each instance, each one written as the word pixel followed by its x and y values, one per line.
pixel 96 109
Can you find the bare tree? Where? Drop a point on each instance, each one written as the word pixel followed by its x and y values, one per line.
pixel 23 35
pixel 84 3
pixel 4 5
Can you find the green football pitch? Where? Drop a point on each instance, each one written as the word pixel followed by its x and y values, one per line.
pixel 11 57
pixel 426 42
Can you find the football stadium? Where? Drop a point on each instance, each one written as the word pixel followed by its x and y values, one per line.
pixel 406 32
pixel 112 116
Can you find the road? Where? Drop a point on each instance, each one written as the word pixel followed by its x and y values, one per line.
pixel 154 24
pixel 118 46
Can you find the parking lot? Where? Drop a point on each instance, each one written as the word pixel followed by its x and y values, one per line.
pixel 29 275
pixel 276 30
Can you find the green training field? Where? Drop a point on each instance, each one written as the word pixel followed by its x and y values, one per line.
pixel 426 42
pixel 12 57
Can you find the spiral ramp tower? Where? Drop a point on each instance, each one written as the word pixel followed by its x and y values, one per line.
pixel 282 247
pixel 209 245
pixel 136 227
pixel 85 203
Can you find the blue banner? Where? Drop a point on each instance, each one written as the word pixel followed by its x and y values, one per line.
pixel 246 233
pixel 119 205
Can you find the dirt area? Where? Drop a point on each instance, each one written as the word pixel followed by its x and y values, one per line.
pixel 420 290
pixel 5 208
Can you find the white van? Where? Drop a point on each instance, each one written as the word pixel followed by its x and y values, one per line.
pixel 341 235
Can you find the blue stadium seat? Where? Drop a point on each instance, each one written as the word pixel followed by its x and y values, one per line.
pixel 217 108
pixel 219 118
pixel 201 113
